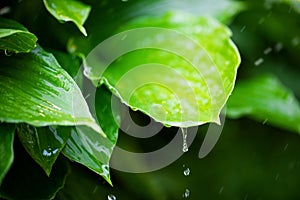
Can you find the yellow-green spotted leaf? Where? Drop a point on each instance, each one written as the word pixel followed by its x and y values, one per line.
pixel 69 10
pixel 178 69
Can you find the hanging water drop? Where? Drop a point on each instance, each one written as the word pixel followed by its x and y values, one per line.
pixel 185 147
pixel 186 193
pixel 111 197
pixel 8 52
pixel 187 172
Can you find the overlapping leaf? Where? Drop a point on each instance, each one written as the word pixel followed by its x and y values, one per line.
pixel 43 144
pixel 14 37
pixel 36 90
pixel 89 148
pixel 265 99
pixel 69 10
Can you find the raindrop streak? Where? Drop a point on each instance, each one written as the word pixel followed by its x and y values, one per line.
pixel 111 197
pixel 186 193
pixel 185 147
pixel 267 50
pixel 187 172
pixel 258 61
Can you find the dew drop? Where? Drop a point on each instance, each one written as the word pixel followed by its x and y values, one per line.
pixel 187 172
pixel 185 147
pixel 186 193
pixel 8 52
pixel 111 197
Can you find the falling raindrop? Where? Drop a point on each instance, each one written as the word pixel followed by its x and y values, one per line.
pixel 187 172
pixel 186 193
pixel 267 50
pixel 111 197
pixel 278 46
pixel 185 147
pixel 243 28
pixel 258 61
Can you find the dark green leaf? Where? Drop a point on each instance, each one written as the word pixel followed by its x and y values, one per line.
pixel 43 144
pixel 180 72
pixel 36 90
pixel 26 180
pixel 6 148
pixel 69 10
pixel 88 147
pixel 15 37
pixel 265 99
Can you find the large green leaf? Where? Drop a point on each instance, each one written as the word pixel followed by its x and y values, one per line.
pixel 265 99
pixel 69 10
pixel 36 90
pixel 6 148
pixel 15 37
pixel 87 147
pixel 43 144
pixel 180 70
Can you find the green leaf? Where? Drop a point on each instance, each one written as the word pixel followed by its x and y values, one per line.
pixel 87 147
pixel 43 144
pixel 36 90
pixel 6 148
pixel 69 10
pixel 26 180
pixel 180 70
pixel 265 99
pixel 15 37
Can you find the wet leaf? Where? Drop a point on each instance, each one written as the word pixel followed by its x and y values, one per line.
pixel 26 180
pixel 265 99
pixel 15 38
pixel 177 68
pixel 89 148
pixel 36 90
pixel 69 10
pixel 43 144
pixel 6 148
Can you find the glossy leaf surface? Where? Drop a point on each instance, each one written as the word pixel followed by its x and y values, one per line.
pixel 177 68
pixel 6 148
pixel 265 99
pixel 69 10
pixel 36 90
pixel 89 148
pixel 14 37
pixel 43 144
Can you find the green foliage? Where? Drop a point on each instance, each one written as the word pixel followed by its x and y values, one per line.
pixel 265 99
pixel 45 103
pixel 15 37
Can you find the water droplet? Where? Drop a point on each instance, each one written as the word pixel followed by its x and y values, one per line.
pixel 187 172
pixel 8 52
pixel 186 193
pixel 185 147
pixel 267 50
pixel 111 197
pixel 258 61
